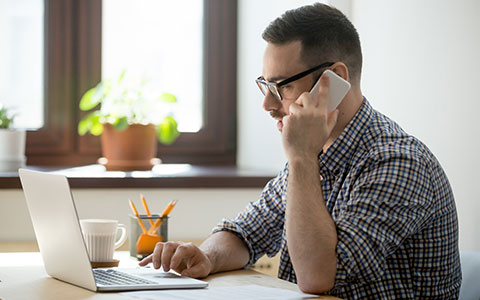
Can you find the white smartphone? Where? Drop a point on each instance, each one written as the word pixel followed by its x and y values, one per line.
pixel 339 87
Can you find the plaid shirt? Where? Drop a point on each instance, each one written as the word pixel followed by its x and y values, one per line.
pixel 393 208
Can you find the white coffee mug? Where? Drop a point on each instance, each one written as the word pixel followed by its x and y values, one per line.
pixel 100 238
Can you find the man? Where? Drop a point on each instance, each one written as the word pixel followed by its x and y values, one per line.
pixel 362 210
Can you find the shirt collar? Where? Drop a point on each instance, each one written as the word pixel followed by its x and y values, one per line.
pixel 338 154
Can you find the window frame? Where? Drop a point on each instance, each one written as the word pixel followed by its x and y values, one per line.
pixel 73 65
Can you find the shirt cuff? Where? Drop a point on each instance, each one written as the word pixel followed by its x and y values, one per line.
pixel 228 225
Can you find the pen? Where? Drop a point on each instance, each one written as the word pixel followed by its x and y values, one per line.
pixel 136 214
pixel 165 213
pixel 146 209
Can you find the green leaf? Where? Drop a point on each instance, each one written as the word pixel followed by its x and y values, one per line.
pixel 86 101
pixel 96 129
pixel 6 119
pixel 95 95
pixel 121 123
pixel 90 123
pixel 167 97
pixel 121 76
pixel 83 127
pixel 167 131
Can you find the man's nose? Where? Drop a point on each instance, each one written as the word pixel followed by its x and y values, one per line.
pixel 270 102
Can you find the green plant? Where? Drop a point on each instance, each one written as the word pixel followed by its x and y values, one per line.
pixel 126 101
pixel 6 118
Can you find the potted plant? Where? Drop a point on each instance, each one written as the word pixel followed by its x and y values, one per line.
pixel 129 119
pixel 12 143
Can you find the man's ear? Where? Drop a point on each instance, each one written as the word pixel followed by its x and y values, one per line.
pixel 341 70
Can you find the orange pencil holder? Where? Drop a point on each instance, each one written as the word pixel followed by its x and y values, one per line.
pixel 142 244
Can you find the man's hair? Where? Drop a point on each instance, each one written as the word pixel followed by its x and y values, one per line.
pixel 325 33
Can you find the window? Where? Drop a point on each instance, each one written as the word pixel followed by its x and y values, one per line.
pixel 159 46
pixel 21 60
pixel 73 63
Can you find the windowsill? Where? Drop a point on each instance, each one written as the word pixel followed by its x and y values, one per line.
pixel 161 176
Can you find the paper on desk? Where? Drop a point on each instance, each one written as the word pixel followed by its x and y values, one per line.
pixel 241 292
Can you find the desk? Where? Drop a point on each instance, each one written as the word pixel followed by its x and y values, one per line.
pixel 23 276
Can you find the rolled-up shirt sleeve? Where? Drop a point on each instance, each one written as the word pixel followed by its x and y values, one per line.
pixel 260 224
pixel 390 200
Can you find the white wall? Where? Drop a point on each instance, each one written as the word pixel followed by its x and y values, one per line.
pixel 197 211
pixel 421 65
pixel 259 142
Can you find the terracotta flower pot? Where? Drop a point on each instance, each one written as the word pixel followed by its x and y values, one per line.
pixel 131 149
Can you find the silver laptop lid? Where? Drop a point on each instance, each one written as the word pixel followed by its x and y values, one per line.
pixel 57 229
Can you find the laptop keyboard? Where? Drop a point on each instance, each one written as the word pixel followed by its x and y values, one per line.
pixel 113 277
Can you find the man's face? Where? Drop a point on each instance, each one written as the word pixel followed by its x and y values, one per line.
pixel 281 62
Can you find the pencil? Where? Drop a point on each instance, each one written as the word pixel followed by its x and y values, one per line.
pixel 138 218
pixel 169 208
pixel 165 213
pixel 146 209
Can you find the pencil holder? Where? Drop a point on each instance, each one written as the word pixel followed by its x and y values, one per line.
pixel 142 244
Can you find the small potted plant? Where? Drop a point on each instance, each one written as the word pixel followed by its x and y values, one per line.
pixel 12 142
pixel 129 119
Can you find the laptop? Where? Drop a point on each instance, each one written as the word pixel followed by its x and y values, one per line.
pixel 59 236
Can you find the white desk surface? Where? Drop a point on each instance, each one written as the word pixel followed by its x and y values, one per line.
pixel 22 276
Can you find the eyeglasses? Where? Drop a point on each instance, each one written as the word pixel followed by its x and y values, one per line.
pixel 266 86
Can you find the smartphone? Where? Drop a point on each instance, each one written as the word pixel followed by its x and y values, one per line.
pixel 339 87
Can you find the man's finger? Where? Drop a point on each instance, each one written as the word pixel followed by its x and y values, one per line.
pixel 145 261
pixel 183 252
pixel 305 100
pixel 180 268
pixel 157 255
pixel 294 108
pixel 323 89
pixel 167 253
pixel 196 271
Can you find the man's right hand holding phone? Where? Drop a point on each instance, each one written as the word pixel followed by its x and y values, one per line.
pixel 308 125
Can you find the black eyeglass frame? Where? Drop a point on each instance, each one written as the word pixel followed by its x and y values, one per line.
pixel 273 86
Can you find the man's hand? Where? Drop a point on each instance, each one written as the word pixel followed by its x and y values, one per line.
pixel 184 258
pixel 308 125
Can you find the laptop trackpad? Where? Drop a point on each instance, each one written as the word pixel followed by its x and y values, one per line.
pixel 156 275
